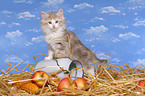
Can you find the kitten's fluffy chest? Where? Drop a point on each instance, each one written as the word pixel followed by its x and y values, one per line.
pixel 53 37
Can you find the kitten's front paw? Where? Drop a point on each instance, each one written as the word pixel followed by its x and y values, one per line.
pixel 48 58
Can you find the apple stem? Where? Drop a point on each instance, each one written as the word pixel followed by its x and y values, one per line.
pixel 42 75
pixel 71 82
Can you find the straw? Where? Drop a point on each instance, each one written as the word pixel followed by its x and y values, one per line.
pixel 109 80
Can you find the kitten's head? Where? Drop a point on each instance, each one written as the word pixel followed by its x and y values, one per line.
pixel 53 21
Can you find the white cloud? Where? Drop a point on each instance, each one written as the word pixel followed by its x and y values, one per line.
pixel 29 2
pixel 136 19
pixel 115 40
pixel 95 19
pixel 139 22
pixel 52 2
pixel 125 36
pixel 2 23
pixel 92 39
pixel 135 13
pixel 14 34
pixel 34 30
pixel 11 59
pixel 71 10
pixel 115 59
pixel 136 4
pixel 26 14
pixel 109 9
pixel 14 23
pixel 120 26
pixel 7 12
pixel 141 51
pixel 71 28
pixel 92 46
pixel 97 29
pixel 83 5
pixel 128 35
pixel 136 1
pixel 23 1
pixel 133 7
pixel 123 13
pixel 28 43
pixel 37 39
pixel 19 1
pixel 138 62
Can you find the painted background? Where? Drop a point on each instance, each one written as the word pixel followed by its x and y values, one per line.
pixel 115 27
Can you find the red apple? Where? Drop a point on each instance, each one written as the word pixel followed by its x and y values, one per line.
pixel 66 83
pixel 81 83
pixel 39 75
pixel 142 83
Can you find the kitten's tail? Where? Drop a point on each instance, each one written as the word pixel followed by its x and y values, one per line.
pixel 97 60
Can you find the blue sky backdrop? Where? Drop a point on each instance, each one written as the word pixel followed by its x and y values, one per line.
pixel 115 27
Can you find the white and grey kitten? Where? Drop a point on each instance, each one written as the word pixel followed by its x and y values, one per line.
pixel 54 28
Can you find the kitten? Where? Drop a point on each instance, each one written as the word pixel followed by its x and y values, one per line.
pixel 54 28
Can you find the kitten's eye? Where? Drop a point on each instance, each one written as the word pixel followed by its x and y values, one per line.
pixel 56 21
pixel 50 22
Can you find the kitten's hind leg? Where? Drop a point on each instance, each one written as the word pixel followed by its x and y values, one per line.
pixel 50 55
pixel 91 69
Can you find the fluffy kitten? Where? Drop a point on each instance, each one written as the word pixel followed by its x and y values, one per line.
pixel 54 28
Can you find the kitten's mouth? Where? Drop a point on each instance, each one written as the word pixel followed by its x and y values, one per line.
pixel 54 29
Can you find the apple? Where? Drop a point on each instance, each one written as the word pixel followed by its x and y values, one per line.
pixel 81 83
pixel 142 83
pixel 66 83
pixel 38 75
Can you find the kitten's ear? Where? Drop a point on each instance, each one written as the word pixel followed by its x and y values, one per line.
pixel 44 15
pixel 60 14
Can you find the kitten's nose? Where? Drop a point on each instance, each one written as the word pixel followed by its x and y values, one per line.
pixel 53 26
